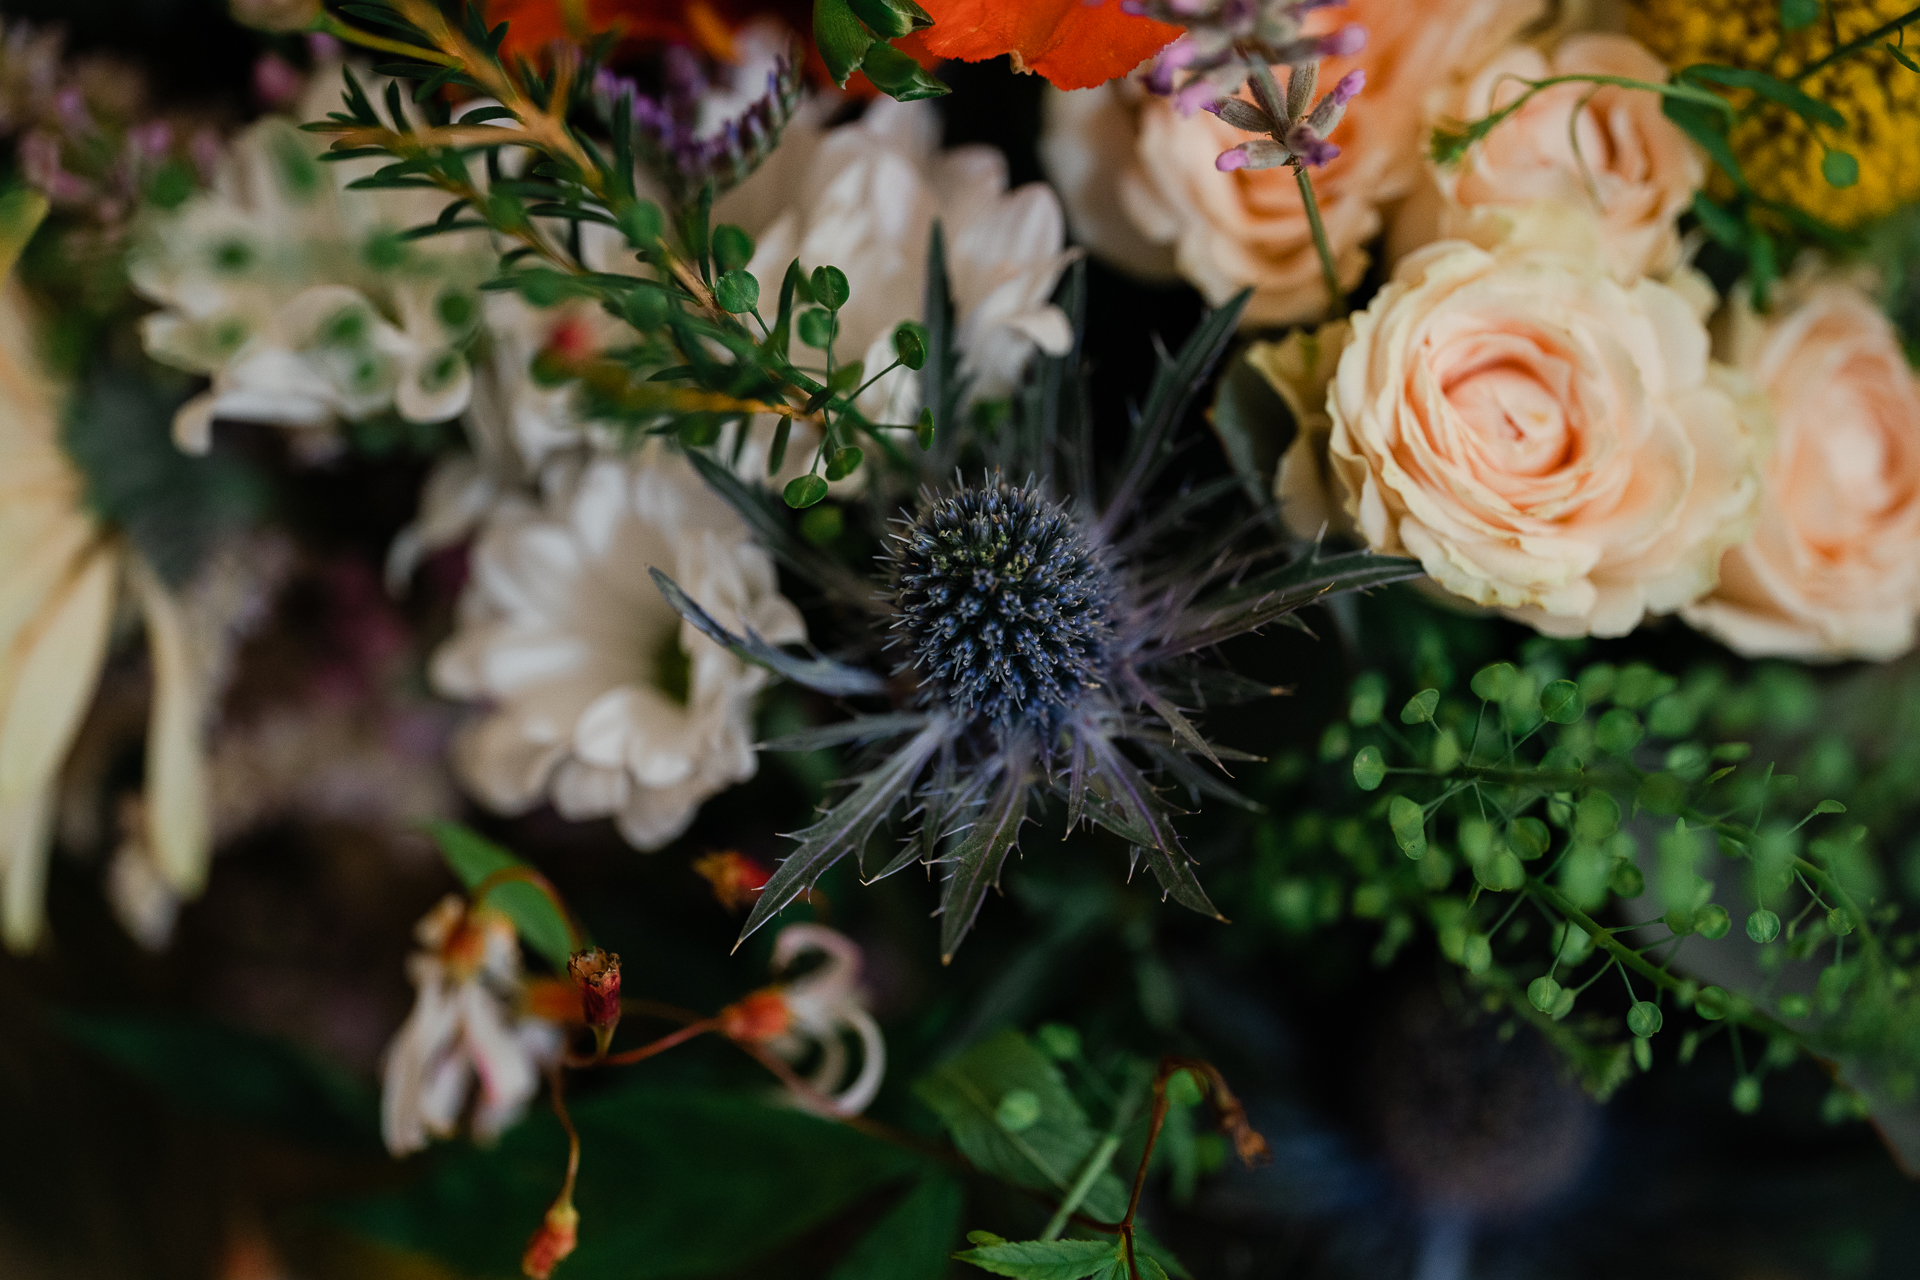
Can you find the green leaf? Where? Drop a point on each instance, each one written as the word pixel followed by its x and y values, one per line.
pixel 473 858
pixel 1708 128
pixel 912 1241
pixel 1767 86
pixel 844 462
pixel 966 1093
pixel 1900 57
pixel 1840 169
pixel 841 38
pixel 1728 231
pixel 817 328
pixel 1046 1259
pixel 1369 770
pixel 676 1182
pixel 234 1075
pixel 1797 15
pixel 1409 823
pixel 899 76
pixel 890 19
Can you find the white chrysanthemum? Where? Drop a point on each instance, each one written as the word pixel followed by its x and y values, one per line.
pixel 601 697
pixel 299 299
pixel 864 197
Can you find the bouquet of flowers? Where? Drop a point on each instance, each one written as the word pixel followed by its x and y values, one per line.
pixel 1283 622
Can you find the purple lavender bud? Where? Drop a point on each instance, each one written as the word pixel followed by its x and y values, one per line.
pixel 1232 158
pixel 1349 87
pixel 1313 150
pixel 1343 43
pixel 1195 95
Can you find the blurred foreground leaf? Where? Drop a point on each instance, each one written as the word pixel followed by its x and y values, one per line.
pixel 473 858
pixel 234 1075
pixel 673 1182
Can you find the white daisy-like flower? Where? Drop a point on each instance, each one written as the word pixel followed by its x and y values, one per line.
pixel 300 299
pixel 863 197
pixel 466 1031
pixel 600 697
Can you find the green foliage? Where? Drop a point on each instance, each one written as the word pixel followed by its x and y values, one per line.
pixel 1048 1259
pixel 674 1183
pixel 912 1240
pixel 472 859
pixel 1551 792
pixel 1049 1149
pixel 235 1076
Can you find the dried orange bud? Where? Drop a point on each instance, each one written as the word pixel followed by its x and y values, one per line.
pixel 736 878
pixel 760 1017
pixel 554 1240
pixel 597 974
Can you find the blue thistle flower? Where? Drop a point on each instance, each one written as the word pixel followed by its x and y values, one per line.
pixel 1046 642
pixel 1004 606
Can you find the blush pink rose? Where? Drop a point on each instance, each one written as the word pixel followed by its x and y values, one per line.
pixel 1605 150
pixel 1833 567
pixel 1544 439
pixel 1141 188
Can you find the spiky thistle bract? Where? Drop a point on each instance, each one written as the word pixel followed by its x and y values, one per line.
pixel 1042 639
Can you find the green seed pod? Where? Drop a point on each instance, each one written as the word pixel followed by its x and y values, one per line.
pixel 1543 993
pixel 1712 922
pixel 1645 1019
pixel 1643 1054
pixel 1369 770
pixel 1477 953
pixel 1746 1095
pixel 1763 926
pixel 1713 1003
pixel 737 292
pixel 732 247
pixel 804 491
pixel 1409 823
pixel 830 287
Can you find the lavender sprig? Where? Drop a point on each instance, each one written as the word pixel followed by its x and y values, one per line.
pixel 667 130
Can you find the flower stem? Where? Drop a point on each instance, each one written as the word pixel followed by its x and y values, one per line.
pixel 1095 1166
pixel 327 24
pixel 1852 47
pixel 1329 270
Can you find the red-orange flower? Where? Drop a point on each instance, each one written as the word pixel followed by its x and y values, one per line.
pixel 1074 44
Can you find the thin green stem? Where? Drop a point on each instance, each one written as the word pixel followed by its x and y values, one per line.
pixel 1329 269
pixel 1096 1165
pixel 327 24
pixel 1854 46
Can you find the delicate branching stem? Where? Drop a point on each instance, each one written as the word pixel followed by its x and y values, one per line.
pixel 556 1080
pixel 1627 957
pixel 645 1051
pixel 1856 45
pixel 1329 269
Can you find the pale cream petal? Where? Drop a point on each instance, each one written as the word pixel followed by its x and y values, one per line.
pixel 49 683
pixel 176 802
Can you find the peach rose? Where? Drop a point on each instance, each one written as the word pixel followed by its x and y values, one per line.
pixel 1119 156
pixel 1544 439
pixel 1833 567
pixel 1607 150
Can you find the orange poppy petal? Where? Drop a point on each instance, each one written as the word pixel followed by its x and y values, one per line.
pixel 1073 44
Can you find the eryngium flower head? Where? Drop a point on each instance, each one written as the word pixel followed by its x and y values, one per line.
pixel 1002 602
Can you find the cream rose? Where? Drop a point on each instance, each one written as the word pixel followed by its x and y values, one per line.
pixel 1141 189
pixel 1833 567
pixel 1544 439
pixel 1605 150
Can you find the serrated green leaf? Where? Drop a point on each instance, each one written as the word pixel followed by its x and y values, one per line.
pixel 1046 1259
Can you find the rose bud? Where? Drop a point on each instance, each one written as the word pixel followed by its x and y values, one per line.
pixel 597 975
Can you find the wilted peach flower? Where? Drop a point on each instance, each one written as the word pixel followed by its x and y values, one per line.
pixel 1833 567
pixel 1605 149
pixel 1544 439
pixel 465 1032
pixel 1141 187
